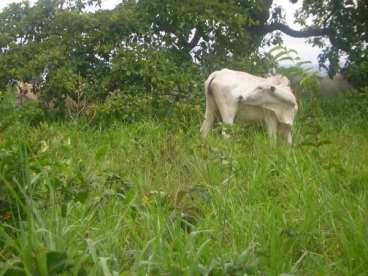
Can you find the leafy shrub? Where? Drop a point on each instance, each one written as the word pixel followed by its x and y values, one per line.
pixel 357 74
pixel 154 72
pixel 147 83
pixel 120 106
pixel 129 107
pixel 64 82
pixel 30 113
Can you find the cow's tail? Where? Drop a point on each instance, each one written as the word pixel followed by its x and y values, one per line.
pixel 207 85
pixel 211 108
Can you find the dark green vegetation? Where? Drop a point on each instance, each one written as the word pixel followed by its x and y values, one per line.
pixel 151 197
pixel 124 185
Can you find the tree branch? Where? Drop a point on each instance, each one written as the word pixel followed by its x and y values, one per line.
pixel 196 38
pixel 309 32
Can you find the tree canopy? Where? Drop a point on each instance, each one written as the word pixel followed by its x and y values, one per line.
pixel 343 22
pixel 72 47
pixel 59 39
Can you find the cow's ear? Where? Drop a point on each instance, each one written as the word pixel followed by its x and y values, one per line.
pixel 285 81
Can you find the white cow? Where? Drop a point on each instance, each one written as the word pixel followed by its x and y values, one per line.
pixel 245 97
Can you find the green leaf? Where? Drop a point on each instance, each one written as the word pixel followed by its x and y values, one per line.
pixel 82 196
pixel 301 63
pixel 286 58
pixel 277 48
pixel 15 272
pixel 57 262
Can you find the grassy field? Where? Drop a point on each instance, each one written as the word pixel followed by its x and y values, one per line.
pixel 152 198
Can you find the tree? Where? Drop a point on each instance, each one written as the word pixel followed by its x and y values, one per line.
pixel 212 32
pixel 205 30
pixel 343 22
pixel 59 36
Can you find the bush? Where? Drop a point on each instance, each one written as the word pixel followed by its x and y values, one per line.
pixel 146 84
pixel 357 74
pixel 120 106
pixel 155 72
pixel 30 113
pixel 129 107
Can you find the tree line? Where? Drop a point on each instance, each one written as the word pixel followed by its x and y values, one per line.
pixel 155 46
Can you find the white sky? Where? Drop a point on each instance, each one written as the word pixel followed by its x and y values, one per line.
pixel 306 52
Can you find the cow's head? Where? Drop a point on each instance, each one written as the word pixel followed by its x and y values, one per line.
pixel 270 93
pixel 266 88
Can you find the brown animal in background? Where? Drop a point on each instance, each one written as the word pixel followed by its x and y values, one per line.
pixel 333 87
pixel 24 93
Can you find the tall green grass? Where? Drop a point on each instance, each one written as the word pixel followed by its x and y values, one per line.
pixel 153 198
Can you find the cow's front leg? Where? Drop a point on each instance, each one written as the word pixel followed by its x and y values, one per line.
pixel 284 132
pixel 228 114
pixel 271 127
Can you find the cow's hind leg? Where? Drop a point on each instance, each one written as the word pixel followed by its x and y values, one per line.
pixel 210 116
pixel 284 132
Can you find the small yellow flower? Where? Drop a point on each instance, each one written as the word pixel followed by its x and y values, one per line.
pixel 145 199
pixel 44 146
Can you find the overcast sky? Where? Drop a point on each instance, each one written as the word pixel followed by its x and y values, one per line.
pixel 306 52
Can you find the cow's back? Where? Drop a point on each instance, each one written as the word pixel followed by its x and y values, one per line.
pixel 230 80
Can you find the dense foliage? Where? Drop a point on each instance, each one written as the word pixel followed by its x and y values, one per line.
pixel 141 48
pixel 81 54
